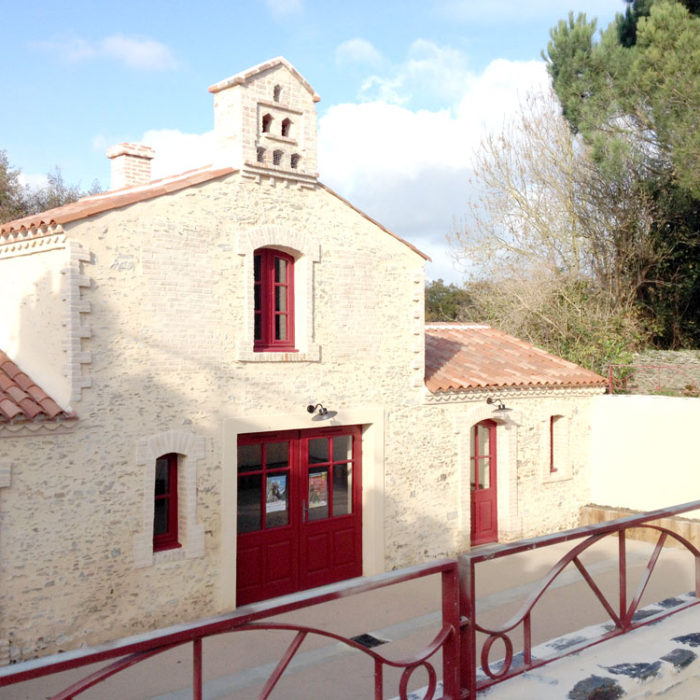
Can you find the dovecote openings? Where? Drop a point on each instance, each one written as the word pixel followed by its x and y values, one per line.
pixel 265 119
pixel 277 140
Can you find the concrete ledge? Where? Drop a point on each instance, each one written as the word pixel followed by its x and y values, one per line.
pixel 660 658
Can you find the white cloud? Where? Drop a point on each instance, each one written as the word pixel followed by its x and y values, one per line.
pixel 357 51
pixel 33 180
pixel 177 151
pixel 281 9
pixel 132 51
pixel 429 70
pixel 409 168
pixel 139 52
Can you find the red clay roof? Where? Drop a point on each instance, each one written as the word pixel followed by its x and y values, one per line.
pixel 471 356
pixel 21 399
pixel 110 200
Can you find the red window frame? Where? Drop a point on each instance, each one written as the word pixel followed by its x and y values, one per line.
pixel 168 537
pixel 274 301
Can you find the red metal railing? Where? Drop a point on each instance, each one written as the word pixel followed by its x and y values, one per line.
pixel 622 617
pixel 676 380
pixel 456 641
pixel 129 652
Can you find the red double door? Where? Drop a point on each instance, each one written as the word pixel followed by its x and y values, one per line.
pixel 299 510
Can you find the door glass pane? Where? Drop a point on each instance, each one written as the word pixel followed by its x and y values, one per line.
pixel 484 473
pixel 472 463
pixel 249 458
pixel 258 327
pixel 257 291
pixel 160 521
pixel 280 327
pixel 342 448
pixel 276 454
pixel 249 516
pixel 280 270
pixel 161 476
pixel 342 489
pixel 280 298
pixel 318 450
pixel 256 268
pixel 277 500
pixel 318 493
pixel 483 439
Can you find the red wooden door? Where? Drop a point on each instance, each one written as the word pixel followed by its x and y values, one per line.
pixel 299 511
pixel 483 467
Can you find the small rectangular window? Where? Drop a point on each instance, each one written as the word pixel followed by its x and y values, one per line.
pixel 165 515
pixel 555 426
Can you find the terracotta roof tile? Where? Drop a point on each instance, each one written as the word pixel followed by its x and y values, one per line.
pixel 88 206
pixel 471 356
pixel 21 399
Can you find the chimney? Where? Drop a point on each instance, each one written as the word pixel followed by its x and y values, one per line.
pixel 131 165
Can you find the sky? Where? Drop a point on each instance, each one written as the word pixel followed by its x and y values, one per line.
pixel 408 89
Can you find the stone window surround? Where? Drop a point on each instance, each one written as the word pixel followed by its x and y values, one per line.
pixel 562 455
pixel 191 450
pixel 306 251
pixel 372 420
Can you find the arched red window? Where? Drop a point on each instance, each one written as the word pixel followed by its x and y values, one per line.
pixel 274 300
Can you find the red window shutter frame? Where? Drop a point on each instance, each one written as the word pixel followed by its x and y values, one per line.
pixel 169 538
pixel 266 314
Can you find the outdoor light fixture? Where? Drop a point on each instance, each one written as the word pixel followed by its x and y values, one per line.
pixel 323 412
pixel 501 409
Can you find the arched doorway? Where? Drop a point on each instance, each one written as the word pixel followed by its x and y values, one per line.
pixel 483 481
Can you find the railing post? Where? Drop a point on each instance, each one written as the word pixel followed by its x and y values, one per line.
pixel 622 576
pixel 450 650
pixel 467 611
pixel 197 668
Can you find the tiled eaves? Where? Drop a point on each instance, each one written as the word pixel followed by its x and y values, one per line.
pixel 45 222
pixel 463 357
pixel 21 399
pixel 245 76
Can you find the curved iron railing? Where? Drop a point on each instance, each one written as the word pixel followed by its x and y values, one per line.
pixel 456 640
pixel 622 618
pixel 132 651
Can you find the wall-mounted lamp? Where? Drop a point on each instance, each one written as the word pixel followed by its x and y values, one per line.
pixel 501 410
pixel 322 414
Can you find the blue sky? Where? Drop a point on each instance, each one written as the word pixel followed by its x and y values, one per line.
pixel 407 88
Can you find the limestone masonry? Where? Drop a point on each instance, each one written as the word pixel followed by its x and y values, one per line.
pixel 136 311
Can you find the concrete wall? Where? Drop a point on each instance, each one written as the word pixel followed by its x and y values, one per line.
pixel 645 451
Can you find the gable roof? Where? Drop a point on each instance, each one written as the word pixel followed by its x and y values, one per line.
pixel 96 204
pixel 32 225
pixel 21 399
pixel 246 75
pixel 472 356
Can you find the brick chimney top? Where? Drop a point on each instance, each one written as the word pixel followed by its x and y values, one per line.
pixel 131 165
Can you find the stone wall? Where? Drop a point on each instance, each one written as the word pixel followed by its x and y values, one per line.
pixel 675 372
pixel 169 301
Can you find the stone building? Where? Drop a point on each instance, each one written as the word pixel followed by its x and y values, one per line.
pixel 218 387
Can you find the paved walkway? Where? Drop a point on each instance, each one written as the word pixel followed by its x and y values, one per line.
pixel 406 618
